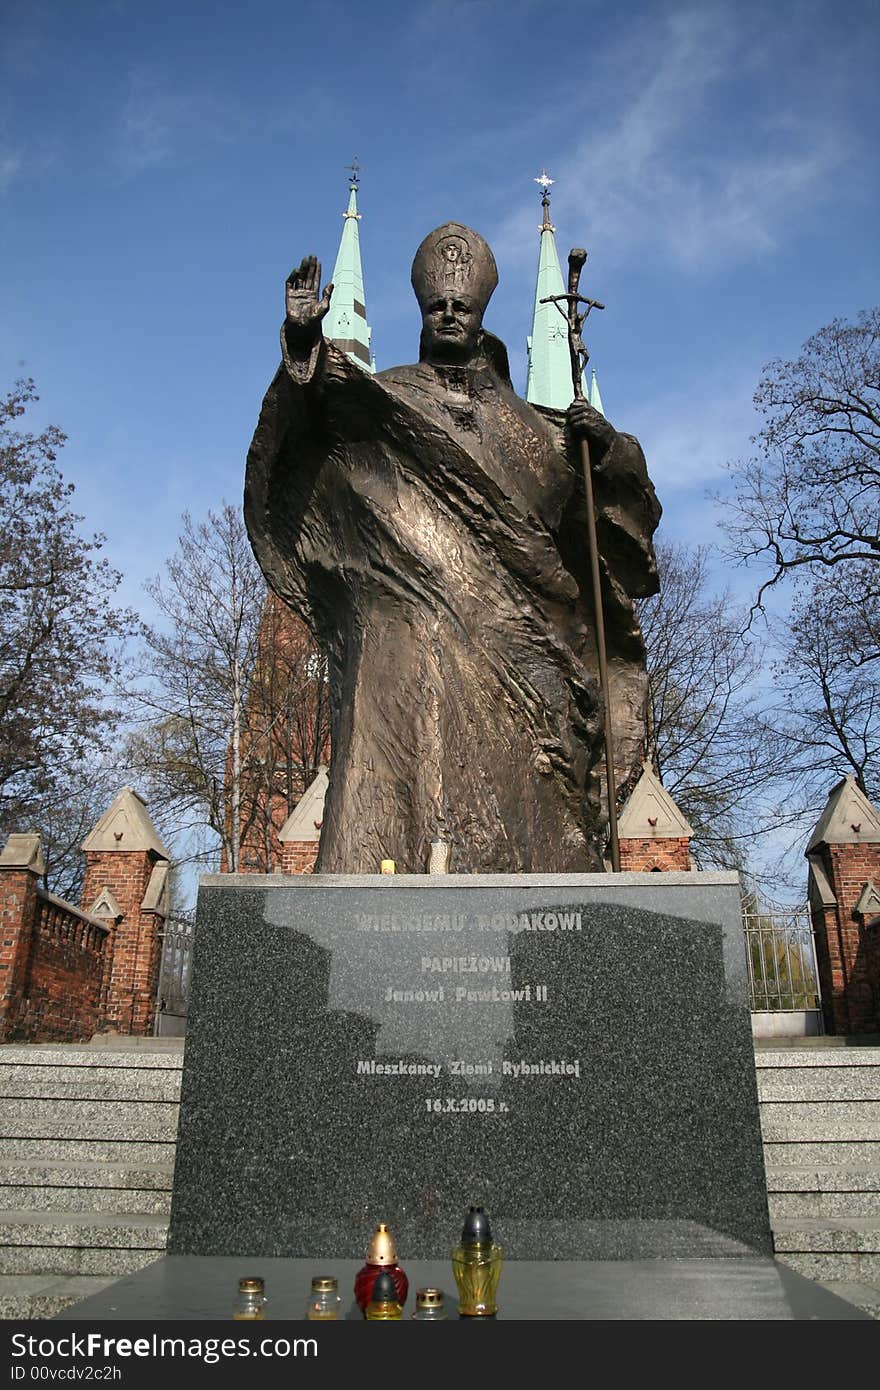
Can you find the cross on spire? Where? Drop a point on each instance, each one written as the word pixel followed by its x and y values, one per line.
pixel 545 182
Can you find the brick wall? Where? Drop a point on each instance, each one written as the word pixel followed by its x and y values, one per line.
pixel 655 855
pixel 52 964
pixel 63 990
pixel 846 952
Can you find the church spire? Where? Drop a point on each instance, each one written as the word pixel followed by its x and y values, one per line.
pixel 549 378
pixel 595 398
pixel 346 323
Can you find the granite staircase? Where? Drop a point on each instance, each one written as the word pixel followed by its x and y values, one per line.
pixel 820 1121
pixel 87 1136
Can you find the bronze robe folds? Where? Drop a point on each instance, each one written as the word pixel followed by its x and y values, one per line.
pixel 428 525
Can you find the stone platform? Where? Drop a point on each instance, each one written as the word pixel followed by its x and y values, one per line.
pixel 753 1288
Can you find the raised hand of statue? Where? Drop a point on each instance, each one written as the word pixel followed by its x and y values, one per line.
pixel 585 422
pixel 304 310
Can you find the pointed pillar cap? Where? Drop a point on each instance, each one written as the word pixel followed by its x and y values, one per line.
pixel 23 852
pixel 849 818
pixel 304 821
pixel 651 813
pixel 126 826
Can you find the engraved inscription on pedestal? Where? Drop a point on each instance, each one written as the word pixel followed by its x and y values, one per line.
pixel 555 1050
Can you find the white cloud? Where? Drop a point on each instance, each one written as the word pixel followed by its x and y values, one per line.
pixel 668 170
pixel 147 123
pixel 10 166
pixel 158 122
pixel 689 436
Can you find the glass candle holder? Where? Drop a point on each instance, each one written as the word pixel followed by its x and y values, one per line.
pixel 324 1303
pixel 429 1306
pixel 476 1264
pixel 381 1255
pixel 251 1303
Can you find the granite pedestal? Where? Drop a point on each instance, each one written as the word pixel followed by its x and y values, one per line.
pixel 572 1052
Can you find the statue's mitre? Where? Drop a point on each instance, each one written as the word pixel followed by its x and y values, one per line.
pixel 454 260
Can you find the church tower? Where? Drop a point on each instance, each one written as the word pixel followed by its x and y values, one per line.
pixel 549 375
pixel 346 323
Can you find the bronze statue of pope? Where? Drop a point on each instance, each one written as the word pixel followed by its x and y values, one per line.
pixel 428 525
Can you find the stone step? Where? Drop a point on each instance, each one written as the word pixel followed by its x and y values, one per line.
pixel 824 1154
pixel 839 1056
pixel 111 1151
pixel 818 1084
pixel 823 1206
pixel 23 1297
pixel 84 1119
pixel 790 1121
pixel 110 1199
pixel 123 1042
pixel 88 1151
pixel 850 1235
pixel 824 1265
pixel 90 1083
pixel 57 1173
pixel 811 1178
pixel 70 1055
pixel 89 1229
pixel 864 1296
pixel 73 1260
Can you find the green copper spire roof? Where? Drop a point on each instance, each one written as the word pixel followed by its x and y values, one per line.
pixel 595 398
pixel 549 378
pixel 346 323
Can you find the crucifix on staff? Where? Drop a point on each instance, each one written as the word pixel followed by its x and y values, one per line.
pixel 575 318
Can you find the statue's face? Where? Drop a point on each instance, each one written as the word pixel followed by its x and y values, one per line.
pixel 451 330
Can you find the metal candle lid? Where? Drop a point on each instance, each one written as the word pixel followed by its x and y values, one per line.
pixel 476 1228
pixel 380 1250
pixel 324 1283
pixel 253 1285
pixel 429 1298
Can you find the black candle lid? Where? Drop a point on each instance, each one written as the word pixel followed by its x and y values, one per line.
pixel 476 1228
pixel 384 1289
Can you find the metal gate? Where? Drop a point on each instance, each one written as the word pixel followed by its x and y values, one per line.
pixel 175 973
pixel 781 957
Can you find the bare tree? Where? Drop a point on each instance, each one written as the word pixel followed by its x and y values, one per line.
pixel 288 729
pixel 810 499
pixel 191 680
pixel 705 734
pixel 60 632
pixel 827 716
pixel 231 698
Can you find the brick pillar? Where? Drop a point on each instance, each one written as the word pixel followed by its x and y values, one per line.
pixel 654 835
pixel 844 858
pixel 126 876
pixel 300 835
pixel 298 857
pixel 126 866
pixel 21 866
pixel 661 855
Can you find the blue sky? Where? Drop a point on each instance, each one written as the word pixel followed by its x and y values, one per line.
pixel 163 166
